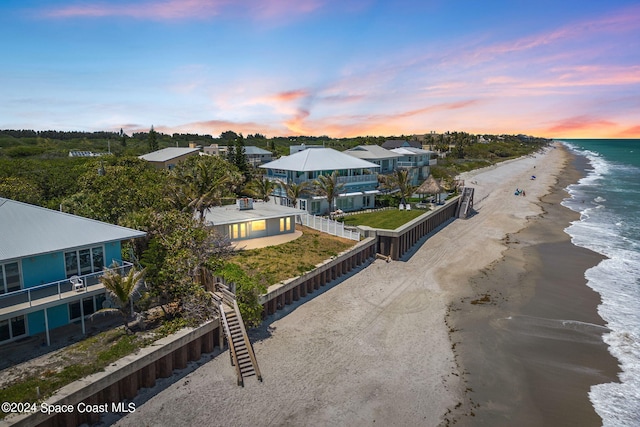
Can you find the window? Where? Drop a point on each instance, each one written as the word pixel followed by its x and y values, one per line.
pixel 9 277
pixel 84 261
pixel 259 225
pixel 285 224
pixel 12 328
pixel 89 305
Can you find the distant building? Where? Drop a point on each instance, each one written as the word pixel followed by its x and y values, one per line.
pixel 257 156
pixel 386 159
pixel 417 161
pixel 216 150
pixel 295 148
pixel 169 157
pixel 398 143
pixel 77 153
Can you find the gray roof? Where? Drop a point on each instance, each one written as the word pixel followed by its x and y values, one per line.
pixel 253 150
pixel 396 143
pixel 167 154
pixel 230 214
pixel 410 151
pixel 320 159
pixel 371 152
pixel 29 230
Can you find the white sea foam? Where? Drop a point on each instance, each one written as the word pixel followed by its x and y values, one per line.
pixel 616 279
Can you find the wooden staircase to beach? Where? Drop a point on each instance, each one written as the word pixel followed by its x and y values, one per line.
pixel 240 349
pixel 465 208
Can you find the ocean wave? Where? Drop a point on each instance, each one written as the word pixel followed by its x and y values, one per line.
pixel 612 232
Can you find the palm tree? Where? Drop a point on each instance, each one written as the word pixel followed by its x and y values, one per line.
pixel 261 188
pixel 328 186
pixel 295 191
pixel 200 184
pixel 121 290
pixel 400 180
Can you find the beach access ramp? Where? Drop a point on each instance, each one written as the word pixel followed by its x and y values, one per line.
pixel 240 348
pixel 465 207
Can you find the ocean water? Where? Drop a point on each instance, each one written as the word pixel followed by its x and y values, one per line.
pixel 608 200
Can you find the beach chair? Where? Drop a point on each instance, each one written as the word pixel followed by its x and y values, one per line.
pixel 77 283
pixel 401 207
pixel 408 206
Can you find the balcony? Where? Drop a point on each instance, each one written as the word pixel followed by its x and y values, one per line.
pixel 29 299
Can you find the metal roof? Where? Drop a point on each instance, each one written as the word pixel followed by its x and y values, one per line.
pixel 253 150
pixel 230 214
pixel 410 151
pixel 320 159
pixel 29 230
pixel 372 152
pixel 167 154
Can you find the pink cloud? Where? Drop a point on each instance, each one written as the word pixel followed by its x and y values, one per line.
pixel 266 10
pixel 578 124
pixel 632 132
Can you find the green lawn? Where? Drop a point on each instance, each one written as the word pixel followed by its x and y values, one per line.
pixel 387 219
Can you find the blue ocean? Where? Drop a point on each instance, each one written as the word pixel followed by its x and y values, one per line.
pixel 608 200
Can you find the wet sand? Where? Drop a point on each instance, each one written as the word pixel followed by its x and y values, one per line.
pixel 372 348
pixel 528 336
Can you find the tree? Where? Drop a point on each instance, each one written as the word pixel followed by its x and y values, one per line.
pixel 328 186
pixel 20 189
pixel 400 180
pixel 295 191
pixel 261 188
pixel 121 289
pixel 201 182
pixel 128 185
pixel 153 139
pixel 180 252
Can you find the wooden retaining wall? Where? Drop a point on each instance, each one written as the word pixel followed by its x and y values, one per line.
pixel 121 381
pixel 285 293
pixel 395 243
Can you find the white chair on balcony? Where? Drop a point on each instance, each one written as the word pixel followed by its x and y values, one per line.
pixel 77 283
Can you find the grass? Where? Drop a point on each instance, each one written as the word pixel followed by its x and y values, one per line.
pixel 386 219
pixel 74 362
pixel 273 264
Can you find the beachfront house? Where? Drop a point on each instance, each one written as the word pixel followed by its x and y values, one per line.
pixel 386 159
pixel 169 157
pixel 249 219
pixel 390 144
pixel 50 264
pixel 417 161
pixel 358 177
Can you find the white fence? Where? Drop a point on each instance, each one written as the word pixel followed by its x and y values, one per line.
pixel 328 226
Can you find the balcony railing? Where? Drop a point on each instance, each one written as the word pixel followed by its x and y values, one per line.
pixel 59 290
pixel 372 177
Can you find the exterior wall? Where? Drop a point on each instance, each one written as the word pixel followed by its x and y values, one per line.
pixel 42 269
pixel 112 251
pixel 272 228
pixel 35 323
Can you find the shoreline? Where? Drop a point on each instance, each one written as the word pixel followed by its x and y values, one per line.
pixel 531 347
pixel 371 348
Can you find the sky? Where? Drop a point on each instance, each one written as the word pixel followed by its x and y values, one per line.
pixel 340 68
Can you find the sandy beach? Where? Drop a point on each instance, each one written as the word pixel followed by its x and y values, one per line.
pixel 375 347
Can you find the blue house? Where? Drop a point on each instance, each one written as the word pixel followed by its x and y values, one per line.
pixel 358 178
pixel 50 264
